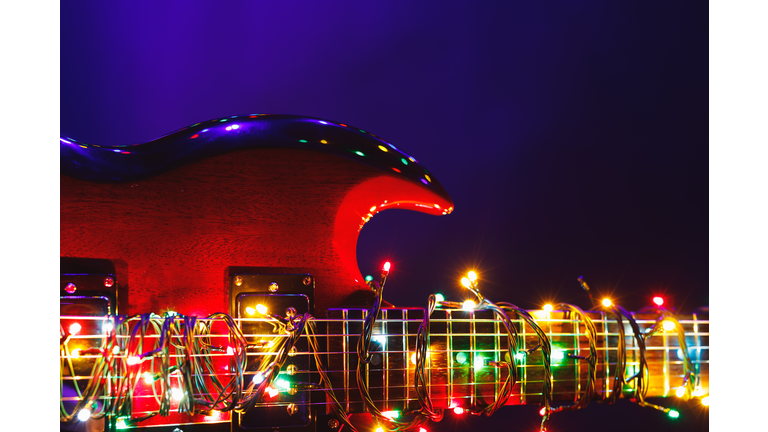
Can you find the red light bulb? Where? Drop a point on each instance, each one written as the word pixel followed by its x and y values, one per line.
pixel 458 410
pixel 543 411
pixel 658 300
pixel 387 265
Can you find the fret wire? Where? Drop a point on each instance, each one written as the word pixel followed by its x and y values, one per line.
pixel 666 365
pixel 525 370
pixel 607 368
pixel 577 345
pixel 496 356
pixel 472 343
pixel 384 327
pixel 345 315
pixel 405 354
pixel 450 356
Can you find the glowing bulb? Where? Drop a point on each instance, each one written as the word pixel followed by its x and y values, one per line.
pixel 381 340
pixel 116 350
pixel 439 298
pixel 379 429
pixel 250 311
pixel 705 401
pixel 84 414
pixel 607 302
pixel 520 356
pixel 283 384
pixel 468 305
pixel 461 358
pixel 543 411
pixel 413 358
pixel 458 410
pixel 75 353
pixel 421 429
pixel 382 148
pixel 472 276
pixel 558 355
pixel 258 378
pixel 680 392
pixel 387 266
pixel 391 414
pixel 121 424
pixel 465 282
pixel 479 362
pixel 698 392
pixel 548 308
pixel 75 329
pixel 668 325
pixel 658 300
pixel 176 393
pixel 133 360
pixel 230 351
pixel 272 392
pixel 368 278
pixel 107 327
pixel 260 308
pixel 673 414
pixel 148 378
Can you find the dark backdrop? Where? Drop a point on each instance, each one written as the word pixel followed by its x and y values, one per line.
pixel 572 136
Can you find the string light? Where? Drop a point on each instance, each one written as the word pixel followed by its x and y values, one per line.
pixel 659 301
pixel 668 325
pixel 148 378
pixel 548 308
pixel 75 353
pixel 458 410
pixel 133 360
pixel 705 401
pixel 387 266
pixel 472 276
pixel 391 414
pixel 84 414
pixel 673 414
pixel 177 394
pixel 466 282
pixel 260 308
pixel 680 392
pixel 258 378
pixel 75 328
pixel 439 298
pixel 250 311
pixel 607 302
pixel 272 392
pixel 468 305
pixel 379 429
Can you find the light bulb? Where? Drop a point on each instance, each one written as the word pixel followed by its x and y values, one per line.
pixel 387 266
pixel 272 391
pixel 421 429
pixel 391 414
pixel 133 360
pixel 472 276
pixel 668 325
pixel 468 305
pixel 84 414
pixel 658 300
pixel 381 340
pixel 260 308
pixel 75 328
pixel 176 393
pixel 379 429
pixel 680 392
pixel 705 401
pixel 465 282
pixel 439 298
pixel 548 308
pixel 557 355
pixel 543 411
pixel 148 378
pixel 673 414
pixel 458 410
pixel 250 311
pixel 258 378
pixel 698 392
pixel 413 358
pixel 461 358
pixel 75 353
pixel 107 327
pixel 116 350
pixel 607 302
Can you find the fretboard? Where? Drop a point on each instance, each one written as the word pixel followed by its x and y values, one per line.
pixel 462 342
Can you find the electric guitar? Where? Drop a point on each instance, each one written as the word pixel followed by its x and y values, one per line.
pixel 250 224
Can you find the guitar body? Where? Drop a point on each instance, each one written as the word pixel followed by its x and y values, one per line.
pixel 246 198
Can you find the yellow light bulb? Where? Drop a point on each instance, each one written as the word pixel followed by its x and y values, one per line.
pixel 148 378
pixel 379 429
pixel 607 302
pixel 468 305
pixel 705 401
pixel 250 311
pixel 548 308
pixel 465 282
pixel 260 308
pixel 413 358
pixel 668 325
pixel 472 276
pixel 680 392
pixel 75 353
pixel 177 394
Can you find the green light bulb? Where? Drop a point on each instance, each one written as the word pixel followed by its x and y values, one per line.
pixel 439 298
pixel 368 278
pixel 674 414
pixel 461 358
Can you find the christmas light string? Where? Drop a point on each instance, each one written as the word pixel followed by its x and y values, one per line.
pixel 115 372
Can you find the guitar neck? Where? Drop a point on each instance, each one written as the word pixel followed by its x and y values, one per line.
pixel 461 343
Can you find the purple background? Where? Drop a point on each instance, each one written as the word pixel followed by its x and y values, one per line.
pixel 573 137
